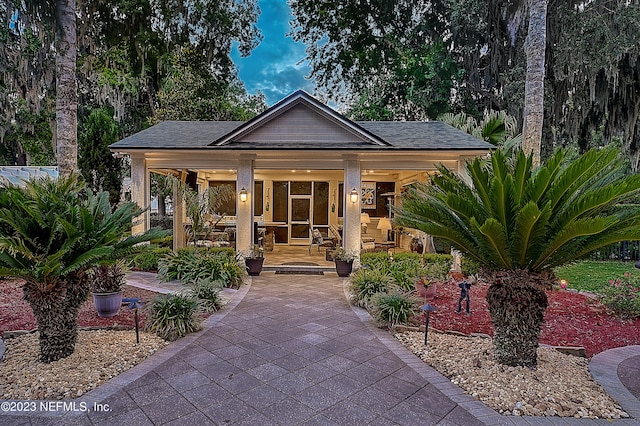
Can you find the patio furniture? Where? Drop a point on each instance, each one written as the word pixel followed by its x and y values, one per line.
pixel 318 240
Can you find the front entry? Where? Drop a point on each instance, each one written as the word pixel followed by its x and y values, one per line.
pixel 300 219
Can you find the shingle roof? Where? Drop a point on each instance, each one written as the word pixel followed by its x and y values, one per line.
pixel 401 135
pixel 231 135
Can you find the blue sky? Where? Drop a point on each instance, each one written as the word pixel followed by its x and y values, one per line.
pixel 273 66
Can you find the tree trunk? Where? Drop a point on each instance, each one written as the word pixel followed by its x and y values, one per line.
pixel 534 81
pixel 56 311
pixel 517 303
pixel 66 90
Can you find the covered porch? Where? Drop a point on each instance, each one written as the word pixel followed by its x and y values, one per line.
pixel 298 167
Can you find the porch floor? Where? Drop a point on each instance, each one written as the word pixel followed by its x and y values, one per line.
pixel 297 257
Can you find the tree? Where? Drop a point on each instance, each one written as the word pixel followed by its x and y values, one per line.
pixel 52 232
pixel 591 62
pixel 66 90
pixel 100 169
pixel 418 87
pixel 534 83
pixel 123 48
pixel 192 91
pixel 519 222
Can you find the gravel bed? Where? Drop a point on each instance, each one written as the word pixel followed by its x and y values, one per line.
pixel 561 385
pixel 97 359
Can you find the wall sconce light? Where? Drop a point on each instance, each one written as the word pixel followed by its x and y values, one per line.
pixel 353 195
pixel 243 195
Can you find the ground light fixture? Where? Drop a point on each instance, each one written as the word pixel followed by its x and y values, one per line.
pixel 427 309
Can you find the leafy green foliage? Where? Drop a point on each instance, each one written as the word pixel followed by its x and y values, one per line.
pixel 200 206
pixel 52 232
pixel 512 216
pixel 622 296
pixel 147 258
pixel 418 87
pixel 99 168
pixel 592 275
pixel 406 272
pixel 209 294
pixel 193 266
pixel 174 316
pixel 469 266
pixel 375 260
pixel 364 283
pixel 108 278
pixel 394 308
pixel 437 266
pixel 57 227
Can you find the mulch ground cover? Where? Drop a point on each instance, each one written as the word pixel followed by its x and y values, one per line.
pixel 570 320
pixel 15 312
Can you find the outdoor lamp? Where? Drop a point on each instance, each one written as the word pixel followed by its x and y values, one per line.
pixel 353 195
pixel 243 195
pixel 385 226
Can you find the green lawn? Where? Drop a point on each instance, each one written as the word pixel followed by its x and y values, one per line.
pixel 591 275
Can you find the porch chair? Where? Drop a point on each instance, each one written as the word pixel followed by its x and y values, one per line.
pixel 335 234
pixel 318 240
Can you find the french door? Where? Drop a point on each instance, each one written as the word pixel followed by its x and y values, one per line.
pixel 300 214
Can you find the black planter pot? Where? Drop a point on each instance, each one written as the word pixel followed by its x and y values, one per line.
pixel 254 266
pixel 343 267
pixel 107 304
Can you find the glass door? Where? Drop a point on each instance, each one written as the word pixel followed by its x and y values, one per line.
pixel 300 215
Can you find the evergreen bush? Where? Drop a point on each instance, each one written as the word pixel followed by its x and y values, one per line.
pixel 395 307
pixel 174 316
pixel 364 283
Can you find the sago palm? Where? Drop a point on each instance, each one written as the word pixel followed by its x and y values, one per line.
pixel 51 233
pixel 519 222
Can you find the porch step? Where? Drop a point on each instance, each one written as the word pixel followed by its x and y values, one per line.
pixel 298 268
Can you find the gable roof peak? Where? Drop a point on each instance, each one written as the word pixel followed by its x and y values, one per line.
pixel 300 97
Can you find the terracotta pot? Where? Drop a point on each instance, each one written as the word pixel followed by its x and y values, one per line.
pixel 343 268
pixel 428 293
pixel 254 266
pixel 107 304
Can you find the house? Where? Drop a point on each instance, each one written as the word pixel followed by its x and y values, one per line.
pixel 299 165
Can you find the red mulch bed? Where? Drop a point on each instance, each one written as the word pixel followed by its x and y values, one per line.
pixel 570 320
pixel 15 313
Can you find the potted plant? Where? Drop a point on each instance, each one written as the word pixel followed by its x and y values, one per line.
pixel 253 260
pixel 344 261
pixel 107 282
pixel 426 288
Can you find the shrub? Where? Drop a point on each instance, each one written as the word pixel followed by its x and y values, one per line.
pixel 174 316
pixel 208 295
pixel 148 258
pixel 437 266
pixel 622 296
pixel 393 308
pixel 469 266
pixel 364 283
pixel 406 272
pixel 192 266
pixel 375 260
pixel 407 256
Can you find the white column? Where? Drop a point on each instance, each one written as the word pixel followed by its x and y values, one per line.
pixel 178 214
pixel 351 232
pixel 140 192
pixel 244 210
